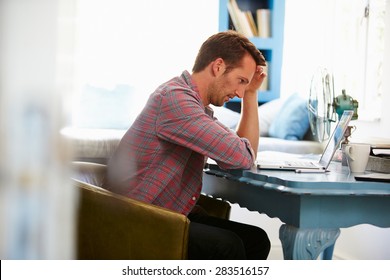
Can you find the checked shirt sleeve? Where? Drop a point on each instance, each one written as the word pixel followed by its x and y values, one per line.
pixel 186 124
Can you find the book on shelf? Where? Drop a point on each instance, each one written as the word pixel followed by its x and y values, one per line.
pixel 242 19
pixel 245 23
pixel 252 23
pixel 234 16
pixel 263 17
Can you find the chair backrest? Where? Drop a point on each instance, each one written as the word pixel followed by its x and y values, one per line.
pixel 111 226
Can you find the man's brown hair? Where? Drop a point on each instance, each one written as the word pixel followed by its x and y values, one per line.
pixel 229 45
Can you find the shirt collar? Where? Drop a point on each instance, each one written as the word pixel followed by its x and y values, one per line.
pixel 209 111
pixel 188 79
pixel 186 76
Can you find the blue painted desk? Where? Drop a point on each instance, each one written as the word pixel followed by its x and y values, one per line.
pixel 313 207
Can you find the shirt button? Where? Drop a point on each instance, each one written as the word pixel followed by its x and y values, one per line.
pixel 193 198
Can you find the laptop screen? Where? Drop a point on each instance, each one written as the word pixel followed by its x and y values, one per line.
pixel 335 139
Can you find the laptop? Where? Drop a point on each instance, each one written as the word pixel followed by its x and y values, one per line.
pixel 306 165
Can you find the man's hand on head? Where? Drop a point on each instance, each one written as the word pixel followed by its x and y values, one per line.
pixel 257 80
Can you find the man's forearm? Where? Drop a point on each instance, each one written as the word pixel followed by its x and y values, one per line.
pixel 248 126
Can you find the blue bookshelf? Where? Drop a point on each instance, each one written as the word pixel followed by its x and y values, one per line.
pixel 271 47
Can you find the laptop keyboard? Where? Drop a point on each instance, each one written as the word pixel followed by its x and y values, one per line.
pixel 301 164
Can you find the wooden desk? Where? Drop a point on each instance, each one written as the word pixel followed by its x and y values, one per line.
pixel 313 207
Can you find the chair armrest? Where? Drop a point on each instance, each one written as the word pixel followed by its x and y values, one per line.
pixel 111 226
pixel 215 207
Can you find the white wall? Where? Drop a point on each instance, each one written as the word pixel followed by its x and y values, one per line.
pixel 382 128
pixel 140 43
pixel 308 44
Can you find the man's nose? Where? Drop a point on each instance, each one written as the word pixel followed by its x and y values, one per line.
pixel 239 93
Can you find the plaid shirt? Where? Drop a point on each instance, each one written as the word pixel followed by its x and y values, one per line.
pixel 161 157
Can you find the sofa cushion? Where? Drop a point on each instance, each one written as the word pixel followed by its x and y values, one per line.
pixel 293 147
pixel 267 113
pixel 292 121
pixel 226 116
pixel 95 145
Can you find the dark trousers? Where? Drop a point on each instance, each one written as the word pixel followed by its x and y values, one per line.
pixel 221 239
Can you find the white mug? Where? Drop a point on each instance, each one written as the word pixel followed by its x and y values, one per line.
pixel 357 156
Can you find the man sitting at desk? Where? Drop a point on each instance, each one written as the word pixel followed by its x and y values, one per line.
pixel 161 157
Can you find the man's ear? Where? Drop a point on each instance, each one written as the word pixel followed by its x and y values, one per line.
pixel 218 67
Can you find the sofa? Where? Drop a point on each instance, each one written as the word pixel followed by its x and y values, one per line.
pixel 284 126
pixel 105 115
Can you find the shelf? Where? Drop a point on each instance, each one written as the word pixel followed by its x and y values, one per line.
pixel 272 47
pixel 263 43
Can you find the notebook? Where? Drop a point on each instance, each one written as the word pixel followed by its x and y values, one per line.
pixel 376 177
pixel 326 157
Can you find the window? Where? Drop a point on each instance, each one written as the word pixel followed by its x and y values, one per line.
pixel 347 38
pixel 358 48
pixel 125 49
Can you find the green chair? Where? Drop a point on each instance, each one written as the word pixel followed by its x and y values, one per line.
pixel 111 226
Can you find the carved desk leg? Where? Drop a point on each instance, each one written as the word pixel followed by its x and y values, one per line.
pixel 306 244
